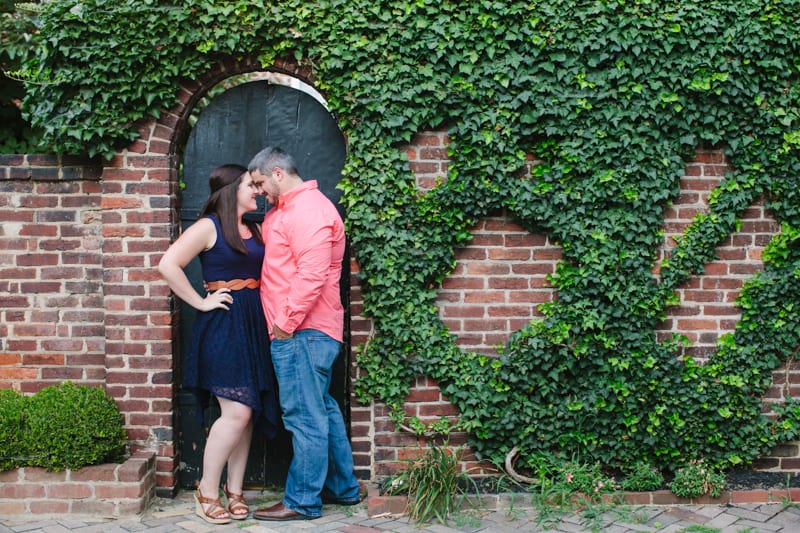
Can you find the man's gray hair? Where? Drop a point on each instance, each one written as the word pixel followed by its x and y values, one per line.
pixel 271 157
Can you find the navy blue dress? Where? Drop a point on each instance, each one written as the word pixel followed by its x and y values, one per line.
pixel 228 354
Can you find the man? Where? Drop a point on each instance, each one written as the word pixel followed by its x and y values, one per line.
pixel 304 244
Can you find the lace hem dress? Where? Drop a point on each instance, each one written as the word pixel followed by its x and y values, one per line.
pixel 228 355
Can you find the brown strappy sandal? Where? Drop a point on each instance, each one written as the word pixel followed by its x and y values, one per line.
pixel 237 507
pixel 216 513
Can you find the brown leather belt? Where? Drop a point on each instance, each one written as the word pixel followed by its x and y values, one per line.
pixel 234 284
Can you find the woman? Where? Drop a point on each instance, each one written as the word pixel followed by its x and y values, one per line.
pixel 228 356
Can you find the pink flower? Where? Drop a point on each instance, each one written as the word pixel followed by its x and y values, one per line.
pixel 569 478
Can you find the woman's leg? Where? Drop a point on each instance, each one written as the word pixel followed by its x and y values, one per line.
pixel 223 442
pixel 237 462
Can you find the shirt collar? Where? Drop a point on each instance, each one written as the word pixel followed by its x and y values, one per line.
pixel 290 195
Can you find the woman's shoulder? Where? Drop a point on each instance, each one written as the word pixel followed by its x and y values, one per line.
pixel 204 228
pixel 207 222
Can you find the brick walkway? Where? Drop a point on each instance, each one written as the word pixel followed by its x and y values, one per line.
pixel 177 515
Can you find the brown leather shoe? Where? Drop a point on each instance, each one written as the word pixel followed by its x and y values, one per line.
pixel 279 512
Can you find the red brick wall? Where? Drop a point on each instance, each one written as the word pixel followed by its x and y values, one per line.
pixel 708 301
pixel 80 298
pixel 500 278
pixel 51 272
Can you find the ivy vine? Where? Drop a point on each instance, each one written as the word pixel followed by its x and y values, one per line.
pixel 610 98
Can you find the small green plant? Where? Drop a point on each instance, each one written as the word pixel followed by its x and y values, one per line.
pixel 563 483
pixel 567 486
pixel 513 512
pixel 786 501
pixel 469 520
pixel 434 482
pixel 587 479
pixel 642 476
pixel 696 479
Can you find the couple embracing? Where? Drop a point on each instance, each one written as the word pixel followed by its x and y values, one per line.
pixel 268 332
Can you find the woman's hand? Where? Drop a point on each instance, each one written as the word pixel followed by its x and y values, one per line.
pixel 219 299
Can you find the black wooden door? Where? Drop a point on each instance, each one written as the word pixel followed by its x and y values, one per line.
pixel 232 129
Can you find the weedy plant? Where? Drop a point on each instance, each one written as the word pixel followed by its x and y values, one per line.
pixel 642 476
pixel 696 479
pixel 563 483
pixel 569 486
pixel 434 483
pixel 786 501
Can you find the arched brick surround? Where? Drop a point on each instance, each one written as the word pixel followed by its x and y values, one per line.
pixel 139 221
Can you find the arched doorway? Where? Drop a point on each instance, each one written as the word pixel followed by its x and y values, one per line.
pixel 232 128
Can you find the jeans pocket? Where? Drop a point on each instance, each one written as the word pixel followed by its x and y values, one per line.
pixel 281 348
pixel 324 351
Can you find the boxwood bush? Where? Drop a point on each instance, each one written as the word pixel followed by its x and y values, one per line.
pixel 61 426
pixel 11 407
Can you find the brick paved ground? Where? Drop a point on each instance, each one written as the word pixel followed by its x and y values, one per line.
pixel 516 515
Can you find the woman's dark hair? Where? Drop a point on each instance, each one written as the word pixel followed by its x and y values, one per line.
pixel 224 182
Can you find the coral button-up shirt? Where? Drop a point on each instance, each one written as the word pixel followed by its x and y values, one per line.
pixel 304 245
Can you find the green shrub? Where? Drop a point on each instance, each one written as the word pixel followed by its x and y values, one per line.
pixel 12 405
pixel 70 426
pixel 696 479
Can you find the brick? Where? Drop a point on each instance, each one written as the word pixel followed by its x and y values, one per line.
pixel 43 359
pixel 430 139
pixel 121 203
pixel 7 302
pixel 382 505
pixel 22 490
pixel 98 473
pixel 69 491
pixel 507 283
pixel 665 497
pixel 12 508
pixel 9 359
pixel 18 374
pixel 750 496
pixel 117 491
pixel 34 330
pixel 93 507
pixel 38 259
pixel 463 311
pixel 111 231
pixel 11 160
pixel 118 174
pixel 150 188
pixel 424 395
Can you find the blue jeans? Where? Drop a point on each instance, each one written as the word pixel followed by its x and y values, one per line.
pixel 323 459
